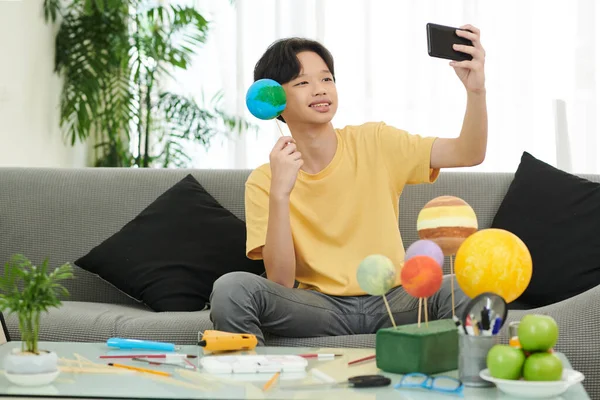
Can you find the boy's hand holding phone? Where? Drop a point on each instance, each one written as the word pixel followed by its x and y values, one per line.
pixel 463 47
pixel 285 162
pixel 470 72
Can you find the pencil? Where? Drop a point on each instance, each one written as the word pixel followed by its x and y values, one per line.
pixel 362 359
pixel 271 381
pixel 149 371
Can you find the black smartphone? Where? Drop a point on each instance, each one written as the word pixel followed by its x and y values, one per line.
pixel 440 39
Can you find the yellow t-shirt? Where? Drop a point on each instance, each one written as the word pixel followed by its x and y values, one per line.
pixel 347 211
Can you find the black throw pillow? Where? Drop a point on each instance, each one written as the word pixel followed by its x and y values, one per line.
pixel 170 255
pixel 557 216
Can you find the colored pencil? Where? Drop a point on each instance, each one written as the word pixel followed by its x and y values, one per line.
pixel 271 381
pixel 148 371
pixel 362 359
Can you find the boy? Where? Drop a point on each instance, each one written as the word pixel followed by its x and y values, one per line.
pixel 329 198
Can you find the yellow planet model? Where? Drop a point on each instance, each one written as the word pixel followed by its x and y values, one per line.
pixel 493 260
pixel 447 221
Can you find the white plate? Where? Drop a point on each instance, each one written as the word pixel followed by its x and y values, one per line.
pixel 535 389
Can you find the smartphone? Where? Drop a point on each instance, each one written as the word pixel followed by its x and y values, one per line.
pixel 440 39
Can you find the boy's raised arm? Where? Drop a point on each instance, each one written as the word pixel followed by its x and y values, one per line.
pixel 278 252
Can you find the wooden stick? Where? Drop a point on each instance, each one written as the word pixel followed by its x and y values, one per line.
pixel 91 370
pixel 426 318
pixel 277 123
pixel 86 361
pixel 420 307
pixel 452 284
pixel 200 379
pixel 389 311
pixel 176 382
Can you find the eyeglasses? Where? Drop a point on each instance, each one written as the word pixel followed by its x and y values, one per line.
pixel 442 384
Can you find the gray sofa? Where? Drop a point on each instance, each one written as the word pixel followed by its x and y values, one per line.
pixel 62 213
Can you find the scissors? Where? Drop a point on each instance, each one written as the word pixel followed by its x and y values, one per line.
pixel 360 381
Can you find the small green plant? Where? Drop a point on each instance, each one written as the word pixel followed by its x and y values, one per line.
pixel 29 290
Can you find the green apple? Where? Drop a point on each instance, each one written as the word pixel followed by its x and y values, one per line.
pixel 542 367
pixel 537 332
pixel 505 362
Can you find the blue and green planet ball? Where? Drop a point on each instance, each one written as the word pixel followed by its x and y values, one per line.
pixel 266 99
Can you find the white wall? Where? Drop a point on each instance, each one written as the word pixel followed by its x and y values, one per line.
pixel 30 91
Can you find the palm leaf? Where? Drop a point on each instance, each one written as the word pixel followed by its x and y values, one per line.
pixel 112 56
pixel 52 9
pixel 184 120
pixel 89 52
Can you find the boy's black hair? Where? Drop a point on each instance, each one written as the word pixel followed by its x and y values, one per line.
pixel 280 61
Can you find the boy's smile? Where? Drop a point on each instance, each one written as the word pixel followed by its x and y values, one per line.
pixel 322 105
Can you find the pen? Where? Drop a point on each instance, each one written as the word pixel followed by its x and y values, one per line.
pixel 321 356
pixel 149 371
pixel 485 319
pixel 497 325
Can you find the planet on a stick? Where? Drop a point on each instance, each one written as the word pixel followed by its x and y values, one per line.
pixel 376 274
pixel 493 260
pixel 266 99
pixel 425 248
pixel 447 221
pixel 421 276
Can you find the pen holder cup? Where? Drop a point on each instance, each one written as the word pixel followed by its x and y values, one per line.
pixel 472 355
pixel 429 349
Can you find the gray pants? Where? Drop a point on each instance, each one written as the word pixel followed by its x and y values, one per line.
pixel 242 302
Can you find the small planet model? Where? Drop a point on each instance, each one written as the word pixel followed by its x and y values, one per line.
pixel 376 274
pixel 266 99
pixel 425 248
pixel 421 276
pixel 447 221
pixel 493 260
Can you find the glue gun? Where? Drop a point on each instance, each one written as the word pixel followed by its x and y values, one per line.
pixel 212 340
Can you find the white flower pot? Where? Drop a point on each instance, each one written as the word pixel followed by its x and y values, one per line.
pixel 26 369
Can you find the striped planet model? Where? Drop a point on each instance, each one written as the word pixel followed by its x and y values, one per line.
pixel 447 221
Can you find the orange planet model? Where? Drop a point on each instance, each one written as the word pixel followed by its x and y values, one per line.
pixel 447 221
pixel 421 276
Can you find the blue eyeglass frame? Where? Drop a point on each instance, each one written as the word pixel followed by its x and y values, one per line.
pixel 428 383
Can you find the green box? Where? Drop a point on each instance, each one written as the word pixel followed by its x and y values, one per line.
pixel 427 349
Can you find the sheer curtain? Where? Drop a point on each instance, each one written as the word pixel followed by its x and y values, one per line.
pixel 541 70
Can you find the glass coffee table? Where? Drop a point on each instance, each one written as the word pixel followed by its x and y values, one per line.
pixel 84 375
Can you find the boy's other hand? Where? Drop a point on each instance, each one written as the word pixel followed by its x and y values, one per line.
pixel 285 162
pixel 471 72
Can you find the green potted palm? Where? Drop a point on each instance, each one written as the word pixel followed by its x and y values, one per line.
pixel 28 290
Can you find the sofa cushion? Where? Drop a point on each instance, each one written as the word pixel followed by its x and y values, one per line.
pixel 169 256
pixel 557 215
pixel 78 321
